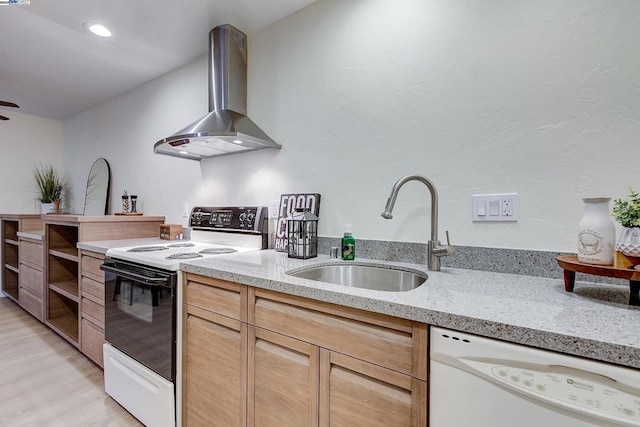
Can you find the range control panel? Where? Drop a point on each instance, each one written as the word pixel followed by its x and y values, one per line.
pixel 231 219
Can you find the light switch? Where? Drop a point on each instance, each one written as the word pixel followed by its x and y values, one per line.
pixel 494 207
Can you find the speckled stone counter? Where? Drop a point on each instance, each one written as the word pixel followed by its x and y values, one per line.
pixel 594 321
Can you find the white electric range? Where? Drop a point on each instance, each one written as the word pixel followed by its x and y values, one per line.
pixel 143 308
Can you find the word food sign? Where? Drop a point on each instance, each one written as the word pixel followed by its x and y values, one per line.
pixel 288 205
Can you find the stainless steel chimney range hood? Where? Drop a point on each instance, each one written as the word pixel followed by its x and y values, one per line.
pixel 226 129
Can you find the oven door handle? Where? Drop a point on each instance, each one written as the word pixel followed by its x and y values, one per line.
pixel 151 281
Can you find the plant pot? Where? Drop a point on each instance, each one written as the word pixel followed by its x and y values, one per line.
pixel 628 241
pixel 47 207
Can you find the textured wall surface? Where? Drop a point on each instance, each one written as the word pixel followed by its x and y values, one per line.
pixel 541 98
pixel 26 141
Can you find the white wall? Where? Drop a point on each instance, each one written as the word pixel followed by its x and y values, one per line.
pixel 26 141
pixel 541 98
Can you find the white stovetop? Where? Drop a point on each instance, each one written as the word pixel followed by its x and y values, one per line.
pixel 162 258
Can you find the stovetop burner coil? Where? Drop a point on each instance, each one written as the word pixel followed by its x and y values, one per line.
pixel 184 255
pixel 181 245
pixel 147 249
pixel 217 251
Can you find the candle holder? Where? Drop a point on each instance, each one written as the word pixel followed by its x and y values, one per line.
pixel 302 235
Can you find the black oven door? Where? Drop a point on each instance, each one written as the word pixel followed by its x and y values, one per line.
pixel 140 309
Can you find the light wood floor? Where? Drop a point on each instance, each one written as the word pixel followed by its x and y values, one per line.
pixel 44 381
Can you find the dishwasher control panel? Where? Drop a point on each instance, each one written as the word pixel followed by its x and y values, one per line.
pixel 502 383
pixel 590 393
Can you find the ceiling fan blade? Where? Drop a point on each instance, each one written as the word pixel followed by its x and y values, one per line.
pixel 4 118
pixel 9 104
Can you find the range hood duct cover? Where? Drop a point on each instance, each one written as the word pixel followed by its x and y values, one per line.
pixel 226 129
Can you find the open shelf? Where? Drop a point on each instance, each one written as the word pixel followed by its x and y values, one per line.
pixel 62 316
pixel 10 254
pixel 63 238
pixel 10 230
pixel 68 289
pixel 11 283
pixel 66 255
pixel 63 270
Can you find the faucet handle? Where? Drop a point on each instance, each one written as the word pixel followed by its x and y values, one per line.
pixel 443 250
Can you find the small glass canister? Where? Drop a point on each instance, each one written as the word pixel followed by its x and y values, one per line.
pixel 125 202
pixel 302 234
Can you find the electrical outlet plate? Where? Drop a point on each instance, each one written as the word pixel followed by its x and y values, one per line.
pixel 494 207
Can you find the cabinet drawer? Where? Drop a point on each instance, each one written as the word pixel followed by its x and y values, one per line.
pixel 92 310
pixel 93 288
pixel 31 279
pixel 31 253
pixel 90 263
pixel 394 343
pixel 92 339
pixel 219 296
pixel 32 303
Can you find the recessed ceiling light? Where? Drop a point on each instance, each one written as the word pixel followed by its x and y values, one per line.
pixel 237 141
pixel 98 29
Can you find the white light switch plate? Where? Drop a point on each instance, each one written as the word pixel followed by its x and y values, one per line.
pixel 494 207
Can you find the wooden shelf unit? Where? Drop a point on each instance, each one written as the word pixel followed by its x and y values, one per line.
pixel 63 316
pixel 10 225
pixel 73 303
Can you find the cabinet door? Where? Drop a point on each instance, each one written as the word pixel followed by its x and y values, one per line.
pixel 214 369
pixel 355 393
pixel 91 341
pixel 283 381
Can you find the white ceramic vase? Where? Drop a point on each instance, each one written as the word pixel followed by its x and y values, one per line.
pixel 596 235
pixel 46 208
pixel 629 241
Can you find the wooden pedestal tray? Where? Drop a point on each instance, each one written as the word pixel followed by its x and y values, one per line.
pixel 571 266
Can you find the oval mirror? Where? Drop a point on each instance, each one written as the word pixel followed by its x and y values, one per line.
pixel 96 201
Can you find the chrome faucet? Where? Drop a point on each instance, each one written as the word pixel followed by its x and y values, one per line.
pixel 435 250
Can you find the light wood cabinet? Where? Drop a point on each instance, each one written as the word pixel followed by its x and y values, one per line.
pixel 309 363
pixel 10 225
pixel 72 283
pixel 215 367
pixel 283 380
pixel 91 306
pixel 31 277
pixel 355 393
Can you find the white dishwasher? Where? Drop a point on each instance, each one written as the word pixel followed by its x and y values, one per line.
pixel 481 382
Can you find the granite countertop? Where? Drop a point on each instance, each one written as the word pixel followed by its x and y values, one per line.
pixel 594 321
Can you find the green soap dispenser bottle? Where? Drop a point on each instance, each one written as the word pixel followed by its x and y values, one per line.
pixel 348 244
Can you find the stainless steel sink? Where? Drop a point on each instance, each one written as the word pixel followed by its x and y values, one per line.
pixel 364 276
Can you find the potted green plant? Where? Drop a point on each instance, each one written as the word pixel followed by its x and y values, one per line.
pixel 627 213
pixel 50 185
